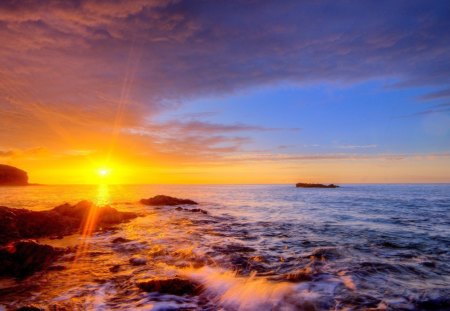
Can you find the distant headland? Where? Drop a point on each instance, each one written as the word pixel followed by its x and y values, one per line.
pixel 12 176
pixel 305 185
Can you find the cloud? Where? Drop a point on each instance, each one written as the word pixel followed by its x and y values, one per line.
pixel 251 157
pixel 181 48
pixel 196 138
pixel 82 70
pixel 24 153
pixel 357 146
pixel 436 95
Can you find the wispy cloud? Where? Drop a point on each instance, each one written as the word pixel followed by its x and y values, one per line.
pixel 358 146
pixel 336 156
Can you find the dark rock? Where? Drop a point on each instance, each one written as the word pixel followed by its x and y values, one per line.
pixel 173 286
pixel 12 176
pixel 198 210
pixel 115 269
pixel 30 308
pixel 56 268
pixel 62 220
pixel 325 253
pixel 22 258
pixel 305 185
pixel 193 210
pixel 138 261
pixel 442 303
pixel 300 275
pixel 120 240
pixel 233 248
pixel 161 200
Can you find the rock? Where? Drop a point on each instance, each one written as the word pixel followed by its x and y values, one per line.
pixel 62 220
pixel 115 268
pixel 57 268
pixel 22 258
pixel 105 215
pixel 305 185
pixel 300 275
pixel 12 176
pixel 193 210
pixel 120 240
pixel 172 286
pixel 138 261
pixel 30 308
pixel 161 200
pixel 325 253
pixel 233 248
pixel 198 210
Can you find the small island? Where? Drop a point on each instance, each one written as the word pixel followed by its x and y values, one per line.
pixel 12 176
pixel 306 185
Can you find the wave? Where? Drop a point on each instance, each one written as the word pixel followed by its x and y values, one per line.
pixel 239 293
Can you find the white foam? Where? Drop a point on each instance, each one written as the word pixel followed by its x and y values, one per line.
pixel 239 293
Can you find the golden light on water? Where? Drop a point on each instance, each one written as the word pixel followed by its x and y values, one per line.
pixel 89 227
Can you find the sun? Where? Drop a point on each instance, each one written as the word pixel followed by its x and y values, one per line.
pixel 103 172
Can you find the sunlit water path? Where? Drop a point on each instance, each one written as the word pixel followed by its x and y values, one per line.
pixel 271 247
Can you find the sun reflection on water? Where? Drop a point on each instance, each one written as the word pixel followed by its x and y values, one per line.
pixel 103 197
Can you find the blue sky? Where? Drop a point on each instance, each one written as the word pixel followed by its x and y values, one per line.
pixel 367 117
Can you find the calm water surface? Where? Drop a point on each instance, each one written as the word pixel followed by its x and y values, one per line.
pixel 261 247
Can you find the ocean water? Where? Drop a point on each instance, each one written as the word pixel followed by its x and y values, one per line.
pixel 260 247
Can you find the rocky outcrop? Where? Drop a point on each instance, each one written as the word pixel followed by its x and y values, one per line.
pixel 22 258
pixel 164 200
pixel 62 220
pixel 305 185
pixel 12 176
pixel 173 286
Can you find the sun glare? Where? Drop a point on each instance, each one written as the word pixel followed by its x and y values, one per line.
pixel 103 172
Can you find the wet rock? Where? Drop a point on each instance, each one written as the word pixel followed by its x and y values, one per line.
pixel 120 240
pixel 325 253
pixel 138 261
pixel 198 210
pixel 22 258
pixel 429 264
pixel 306 185
pixel 233 248
pixel 173 286
pixel 164 200
pixel 105 215
pixel 300 275
pixel 62 220
pixel 12 176
pixel 193 210
pixel 115 269
pixel 442 303
pixel 30 308
pixel 56 268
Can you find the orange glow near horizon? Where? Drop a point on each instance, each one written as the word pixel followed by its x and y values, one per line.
pixel 127 166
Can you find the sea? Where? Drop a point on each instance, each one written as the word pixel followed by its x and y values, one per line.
pixel 259 247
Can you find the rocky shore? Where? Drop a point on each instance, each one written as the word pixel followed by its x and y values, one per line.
pixel 20 256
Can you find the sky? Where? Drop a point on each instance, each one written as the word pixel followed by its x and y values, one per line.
pixel 249 91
